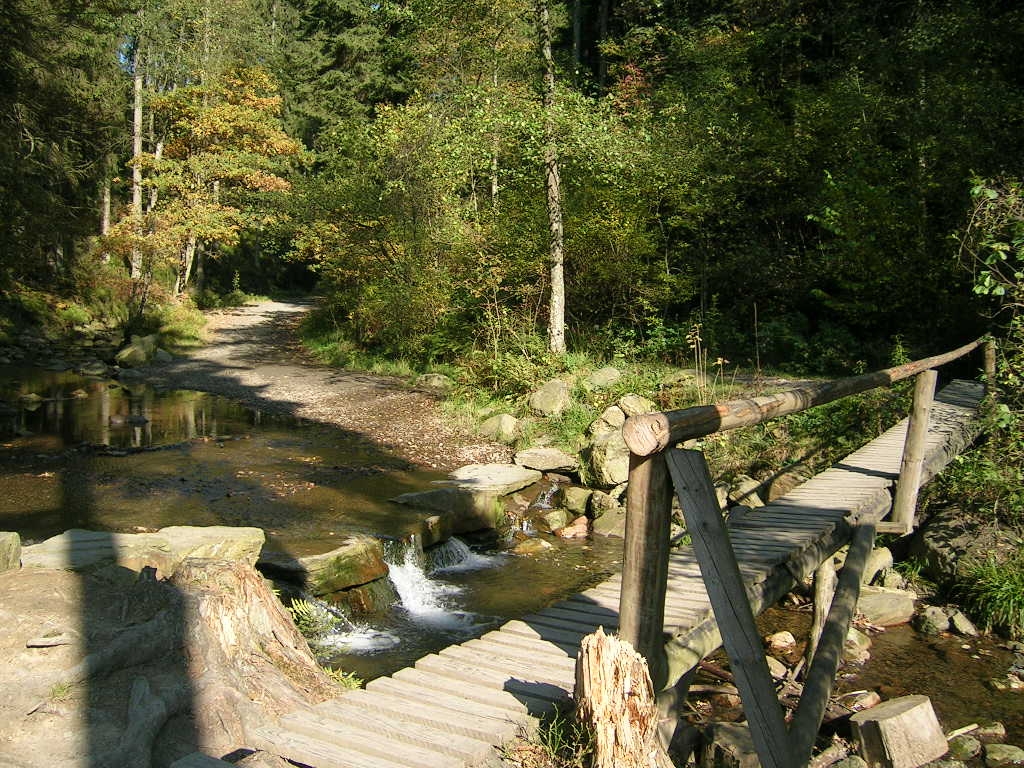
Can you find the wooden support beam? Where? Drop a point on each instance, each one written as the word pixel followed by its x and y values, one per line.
pixel 645 563
pixel 990 367
pixel 909 482
pixel 729 600
pixel 822 672
pixel 824 592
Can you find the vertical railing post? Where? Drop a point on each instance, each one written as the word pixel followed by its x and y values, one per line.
pixel 645 562
pixel 990 367
pixel 913 454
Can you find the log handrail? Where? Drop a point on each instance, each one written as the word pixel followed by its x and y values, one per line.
pixel 651 433
pixel 649 497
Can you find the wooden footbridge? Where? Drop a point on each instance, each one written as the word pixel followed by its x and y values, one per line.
pixel 455 708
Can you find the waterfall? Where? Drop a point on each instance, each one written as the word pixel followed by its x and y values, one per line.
pixel 427 600
pixel 544 498
pixel 454 555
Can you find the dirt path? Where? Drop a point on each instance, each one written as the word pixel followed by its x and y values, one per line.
pixel 254 355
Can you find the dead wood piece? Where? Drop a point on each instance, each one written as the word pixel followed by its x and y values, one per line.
pixel 835 752
pixel 53 640
pixel 713 669
pixel 616 702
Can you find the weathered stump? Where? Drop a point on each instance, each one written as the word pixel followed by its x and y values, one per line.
pixel 246 658
pixel 616 701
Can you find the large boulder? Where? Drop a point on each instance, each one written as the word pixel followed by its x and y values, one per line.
pixel 612 416
pixel 634 405
pixel 609 516
pixel 886 607
pixel 461 510
pixel 547 460
pixel 609 457
pixel 436 382
pixel 551 399
pixel 164 550
pixel 602 378
pixel 499 479
pixel 10 551
pixel 576 499
pixel 472 495
pixel 359 560
pixel 950 540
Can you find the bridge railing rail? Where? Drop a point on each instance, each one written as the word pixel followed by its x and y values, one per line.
pixel 649 495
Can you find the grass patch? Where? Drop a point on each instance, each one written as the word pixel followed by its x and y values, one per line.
pixel 993 593
pixel 561 741
pixel 61 691
pixel 180 324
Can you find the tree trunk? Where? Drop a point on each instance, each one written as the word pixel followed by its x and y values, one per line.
pixel 577 39
pixel 135 265
pixel 616 701
pixel 553 186
pixel 604 15
pixel 153 193
pixel 187 256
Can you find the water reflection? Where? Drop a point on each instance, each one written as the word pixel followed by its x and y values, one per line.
pixel 151 459
pixel 75 410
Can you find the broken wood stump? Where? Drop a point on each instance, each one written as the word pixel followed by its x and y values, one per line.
pixel 616 701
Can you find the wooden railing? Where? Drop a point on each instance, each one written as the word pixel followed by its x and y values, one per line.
pixel 649 496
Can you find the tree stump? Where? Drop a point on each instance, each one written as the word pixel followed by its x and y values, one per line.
pixel 246 658
pixel 615 700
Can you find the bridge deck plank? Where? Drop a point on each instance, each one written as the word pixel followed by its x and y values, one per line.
pixel 453 705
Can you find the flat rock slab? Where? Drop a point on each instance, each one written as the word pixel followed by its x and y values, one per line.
pixel 165 549
pixel 497 479
pixel 547 460
pixel 359 560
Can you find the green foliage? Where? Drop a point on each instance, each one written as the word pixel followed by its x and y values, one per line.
pixel 993 592
pixel 312 620
pixel 179 324
pixel 348 681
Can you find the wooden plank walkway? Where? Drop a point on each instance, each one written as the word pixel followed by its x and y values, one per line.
pixel 453 708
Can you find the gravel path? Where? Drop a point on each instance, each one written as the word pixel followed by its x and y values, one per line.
pixel 254 355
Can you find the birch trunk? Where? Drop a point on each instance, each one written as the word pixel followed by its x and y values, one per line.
pixel 553 186
pixel 135 265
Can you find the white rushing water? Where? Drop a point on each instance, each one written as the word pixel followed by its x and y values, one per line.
pixel 427 600
pixel 454 556
pixel 350 636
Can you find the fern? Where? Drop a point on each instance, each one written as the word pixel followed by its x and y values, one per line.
pixel 312 620
pixel 347 680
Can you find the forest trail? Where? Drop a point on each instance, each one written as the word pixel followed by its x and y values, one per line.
pixel 254 355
